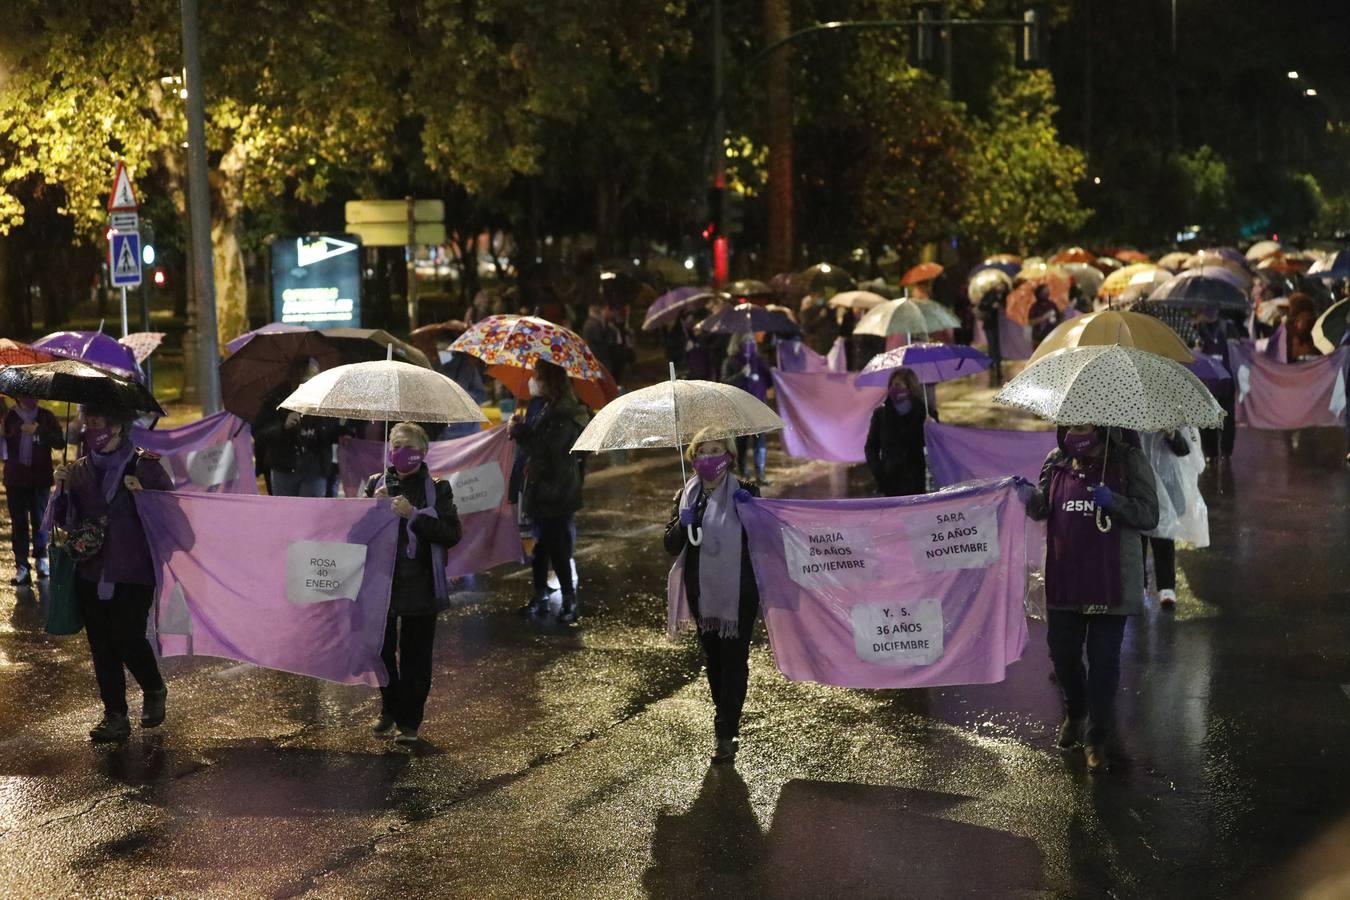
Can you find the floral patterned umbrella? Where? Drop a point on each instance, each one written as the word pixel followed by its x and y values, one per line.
pixel 1116 386
pixel 513 345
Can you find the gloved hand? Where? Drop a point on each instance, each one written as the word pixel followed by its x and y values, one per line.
pixel 742 495
pixel 686 516
pixel 1102 496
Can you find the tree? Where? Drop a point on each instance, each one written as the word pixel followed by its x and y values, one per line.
pixel 298 98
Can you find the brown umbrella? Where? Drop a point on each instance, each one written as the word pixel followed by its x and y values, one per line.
pixel 257 369
pixel 371 344
pixel 425 338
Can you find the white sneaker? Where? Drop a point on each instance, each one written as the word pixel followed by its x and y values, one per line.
pixel 43 569
pixel 1167 597
pixel 24 575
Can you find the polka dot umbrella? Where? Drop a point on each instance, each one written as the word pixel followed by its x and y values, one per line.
pixel 1120 387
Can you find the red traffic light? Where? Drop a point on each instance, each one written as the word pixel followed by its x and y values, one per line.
pixel 160 278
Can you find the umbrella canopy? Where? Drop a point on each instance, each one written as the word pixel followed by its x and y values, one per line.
pixel 671 305
pixel 595 393
pixel 12 353
pixel 373 345
pixel 1074 255
pixel 425 338
pixel 863 300
pixel 1282 265
pixel 1269 312
pixel 1144 283
pixel 1337 265
pixel 1115 283
pixel 823 276
pixel 1117 386
pixel 1208 370
pixel 93 347
pixel 1107 264
pixel 745 318
pixel 1200 290
pixel 1023 297
pixel 1230 254
pixel 1260 250
pixel 893 317
pixel 1174 260
pixel 749 288
pixel 263 364
pixel 270 328
pixel 930 362
pixel 1005 262
pixel 513 345
pixel 984 281
pixel 1129 257
pixel 1129 329
pixel 1176 318
pixel 384 391
pixel 77 382
pixel 935 315
pixel 143 343
pixel 1329 330
pixel 926 271
pixel 788 286
pixel 1088 278
pixel 670 413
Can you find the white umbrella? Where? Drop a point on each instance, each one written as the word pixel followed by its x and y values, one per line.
pixel 1261 249
pixel 893 317
pixel 857 300
pixel 1088 278
pixel 667 414
pixel 1115 386
pixel 936 316
pixel 986 280
pixel 384 391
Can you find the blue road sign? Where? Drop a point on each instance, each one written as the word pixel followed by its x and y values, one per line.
pixel 124 258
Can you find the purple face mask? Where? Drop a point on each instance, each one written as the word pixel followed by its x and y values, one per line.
pixel 405 460
pixel 710 467
pixel 899 394
pixel 1079 445
pixel 97 438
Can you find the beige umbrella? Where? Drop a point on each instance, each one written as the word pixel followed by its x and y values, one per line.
pixel 857 300
pixel 669 413
pixel 1174 260
pixel 893 317
pixel 384 391
pixel 1129 329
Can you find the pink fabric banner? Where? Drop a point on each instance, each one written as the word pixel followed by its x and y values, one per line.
pixel 827 413
pixel 296 584
pixel 957 454
pixel 213 455
pixel 894 592
pixel 478 468
pixel 1284 396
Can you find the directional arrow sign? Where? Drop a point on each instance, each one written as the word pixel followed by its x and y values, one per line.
pixel 123 196
pixel 311 250
pixel 124 258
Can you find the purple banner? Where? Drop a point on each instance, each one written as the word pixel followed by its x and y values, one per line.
pixel 1284 396
pixel 827 414
pixel 213 455
pixel 957 454
pixel 893 593
pixel 296 584
pixel 1014 340
pixel 478 468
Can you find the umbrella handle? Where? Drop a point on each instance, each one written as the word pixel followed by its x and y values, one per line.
pixel 695 535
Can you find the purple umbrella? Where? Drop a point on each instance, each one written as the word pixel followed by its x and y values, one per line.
pixel 672 304
pixel 1007 267
pixel 1208 369
pixel 270 328
pixel 930 362
pixel 1337 265
pixel 1238 280
pixel 92 347
pixel 744 318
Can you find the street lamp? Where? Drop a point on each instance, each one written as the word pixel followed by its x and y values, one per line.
pixel 1293 75
pixel 1310 92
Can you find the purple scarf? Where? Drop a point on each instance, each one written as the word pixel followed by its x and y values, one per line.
pixel 28 416
pixel 111 468
pixel 437 551
pixel 719 558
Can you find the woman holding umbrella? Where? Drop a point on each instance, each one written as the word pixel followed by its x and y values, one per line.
pixel 895 442
pixel 720 595
pixel 115 578
pixel 1097 495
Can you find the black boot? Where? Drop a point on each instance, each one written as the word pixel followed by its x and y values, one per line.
pixel 570 610
pixel 113 727
pixel 537 606
pixel 152 708
pixel 1070 734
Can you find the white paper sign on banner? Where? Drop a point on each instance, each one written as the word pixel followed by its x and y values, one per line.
pixel 828 554
pixel 903 633
pixel 320 571
pixel 212 466
pixel 478 489
pixel 954 539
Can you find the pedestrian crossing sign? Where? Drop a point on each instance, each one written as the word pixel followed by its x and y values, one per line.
pixel 124 258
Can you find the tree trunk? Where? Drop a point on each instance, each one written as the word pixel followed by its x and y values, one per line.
pixel 778 74
pixel 227 247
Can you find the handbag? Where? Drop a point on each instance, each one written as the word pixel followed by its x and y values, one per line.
pixel 63 610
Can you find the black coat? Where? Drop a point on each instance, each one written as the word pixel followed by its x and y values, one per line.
pixel 894 450
pixel 677 540
pixel 308 447
pixel 414 592
pixel 553 473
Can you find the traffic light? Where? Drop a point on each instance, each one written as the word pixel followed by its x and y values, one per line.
pixel 925 39
pixel 1029 53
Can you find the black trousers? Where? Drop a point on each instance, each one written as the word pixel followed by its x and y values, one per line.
pixel 1219 441
pixel 1164 561
pixel 26 508
pixel 553 546
pixel 407 657
pixel 728 664
pixel 116 632
pixel 1092 693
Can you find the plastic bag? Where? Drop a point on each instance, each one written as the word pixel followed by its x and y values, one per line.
pixel 1182 514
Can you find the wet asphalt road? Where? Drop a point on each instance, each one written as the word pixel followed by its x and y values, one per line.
pixel 573 763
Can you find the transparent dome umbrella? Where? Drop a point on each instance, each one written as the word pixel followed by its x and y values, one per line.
pixel 893 317
pixel 384 391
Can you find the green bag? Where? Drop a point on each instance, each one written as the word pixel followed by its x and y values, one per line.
pixel 63 610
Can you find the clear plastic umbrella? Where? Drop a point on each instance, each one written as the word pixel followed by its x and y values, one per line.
pixel 384 391
pixel 893 317
pixel 936 316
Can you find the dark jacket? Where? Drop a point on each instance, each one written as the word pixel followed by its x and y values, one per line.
pixel 553 473
pixel 307 448
pixel 125 557
pixel 1135 509
pixel 677 541
pixel 894 450
pixel 49 436
pixel 414 592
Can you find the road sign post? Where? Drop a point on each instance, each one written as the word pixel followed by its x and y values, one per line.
pixel 407 223
pixel 124 240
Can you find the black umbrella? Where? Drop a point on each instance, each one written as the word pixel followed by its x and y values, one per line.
pixel 1198 291
pixel 372 345
pixel 745 318
pixel 77 382
pixel 260 367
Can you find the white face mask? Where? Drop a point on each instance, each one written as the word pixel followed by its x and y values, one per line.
pixel 444 356
pixel 536 390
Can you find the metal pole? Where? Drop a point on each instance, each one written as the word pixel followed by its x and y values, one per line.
pixel 125 327
pixel 412 264
pixel 145 326
pixel 199 206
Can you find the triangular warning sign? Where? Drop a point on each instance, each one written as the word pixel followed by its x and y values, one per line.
pixel 123 196
pixel 127 263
